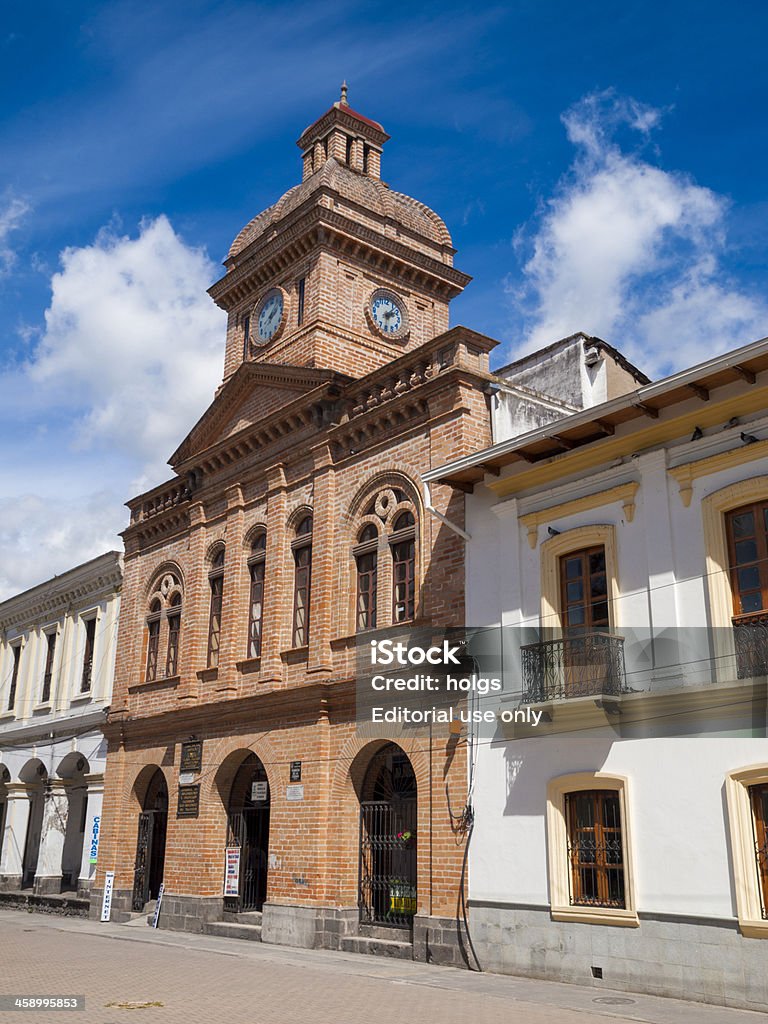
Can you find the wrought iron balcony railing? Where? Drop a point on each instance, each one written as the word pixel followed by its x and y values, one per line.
pixel 750 634
pixel 581 665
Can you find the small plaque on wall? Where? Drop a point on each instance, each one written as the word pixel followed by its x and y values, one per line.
pixel 295 771
pixel 191 756
pixel 189 802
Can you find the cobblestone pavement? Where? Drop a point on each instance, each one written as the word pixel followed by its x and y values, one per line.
pixel 191 979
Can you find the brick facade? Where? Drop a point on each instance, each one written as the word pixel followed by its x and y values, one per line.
pixel 322 420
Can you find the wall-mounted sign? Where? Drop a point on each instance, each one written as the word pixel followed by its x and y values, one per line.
pixel 189 802
pixel 232 871
pixel 94 849
pixel 295 771
pixel 106 903
pixel 294 792
pixel 259 792
pixel 186 778
pixel 191 756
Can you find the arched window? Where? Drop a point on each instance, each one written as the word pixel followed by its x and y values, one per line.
pixel 302 556
pixel 216 583
pixel 174 629
pixel 366 559
pixel 256 564
pixel 153 639
pixel 403 546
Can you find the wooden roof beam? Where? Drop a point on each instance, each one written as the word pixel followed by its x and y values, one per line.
pixel 699 391
pixel 744 373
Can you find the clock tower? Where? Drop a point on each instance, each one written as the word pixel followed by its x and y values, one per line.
pixel 341 273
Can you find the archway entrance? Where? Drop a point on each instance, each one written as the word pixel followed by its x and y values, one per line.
pixel 248 834
pixel 150 844
pixel 388 816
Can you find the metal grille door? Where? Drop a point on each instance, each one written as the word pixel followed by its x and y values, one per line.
pixel 388 862
pixel 249 829
pixel 150 857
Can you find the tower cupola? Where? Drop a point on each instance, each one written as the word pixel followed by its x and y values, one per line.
pixel 350 138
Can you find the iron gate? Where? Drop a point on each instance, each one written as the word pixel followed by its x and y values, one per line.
pixel 388 862
pixel 150 857
pixel 249 829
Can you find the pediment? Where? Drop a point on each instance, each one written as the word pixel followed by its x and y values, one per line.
pixel 252 393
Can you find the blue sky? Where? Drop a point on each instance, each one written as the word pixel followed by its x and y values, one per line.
pixel 600 167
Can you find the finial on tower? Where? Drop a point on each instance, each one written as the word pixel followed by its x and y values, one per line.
pixel 343 99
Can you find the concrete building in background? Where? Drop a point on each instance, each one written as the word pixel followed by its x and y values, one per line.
pixel 617 566
pixel 57 660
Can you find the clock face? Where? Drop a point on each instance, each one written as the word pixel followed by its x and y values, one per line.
pixel 388 314
pixel 269 316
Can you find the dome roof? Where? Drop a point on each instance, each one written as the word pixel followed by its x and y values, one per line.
pixel 371 194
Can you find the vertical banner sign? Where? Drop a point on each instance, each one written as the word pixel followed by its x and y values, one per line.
pixel 156 918
pixel 94 839
pixel 106 903
pixel 232 871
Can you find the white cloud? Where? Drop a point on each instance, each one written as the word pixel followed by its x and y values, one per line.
pixel 41 537
pixel 133 347
pixel 130 355
pixel 631 252
pixel 12 212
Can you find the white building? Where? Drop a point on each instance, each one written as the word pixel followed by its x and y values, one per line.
pixel 57 662
pixel 623 841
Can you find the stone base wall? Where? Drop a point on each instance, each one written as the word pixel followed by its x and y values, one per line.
pixel 10 883
pixel 47 885
pixel 699 959
pixel 68 906
pixel 441 940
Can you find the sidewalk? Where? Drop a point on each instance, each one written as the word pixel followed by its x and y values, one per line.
pixel 191 979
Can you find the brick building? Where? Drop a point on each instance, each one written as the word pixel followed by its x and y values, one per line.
pixel 294 523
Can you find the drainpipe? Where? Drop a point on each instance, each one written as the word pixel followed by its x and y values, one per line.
pixel 443 519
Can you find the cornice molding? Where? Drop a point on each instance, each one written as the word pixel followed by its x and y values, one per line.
pixel 625 493
pixel 686 474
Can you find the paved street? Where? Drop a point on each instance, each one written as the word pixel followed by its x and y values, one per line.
pixel 135 974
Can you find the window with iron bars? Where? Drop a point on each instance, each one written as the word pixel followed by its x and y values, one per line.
pixel 759 799
pixel 595 848
pixel 302 556
pixel 90 636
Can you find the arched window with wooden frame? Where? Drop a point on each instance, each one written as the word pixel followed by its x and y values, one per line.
pixel 216 584
pixel 163 625
pixel 366 560
pixel 153 639
pixel 402 542
pixel 302 557
pixel 174 633
pixel 256 568
pixel 384 554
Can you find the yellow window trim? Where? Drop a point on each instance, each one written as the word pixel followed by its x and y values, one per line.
pixel 557 851
pixel 740 826
pixel 625 493
pixel 713 509
pixel 574 540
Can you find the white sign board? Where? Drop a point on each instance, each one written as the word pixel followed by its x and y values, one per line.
pixel 258 792
pixel 295 792
pixel 186 778
pixel 106 903
pixel 232 871
pixel 156 918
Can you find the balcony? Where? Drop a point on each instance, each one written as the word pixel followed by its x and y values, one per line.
pixel 584 665
pixel 750 635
